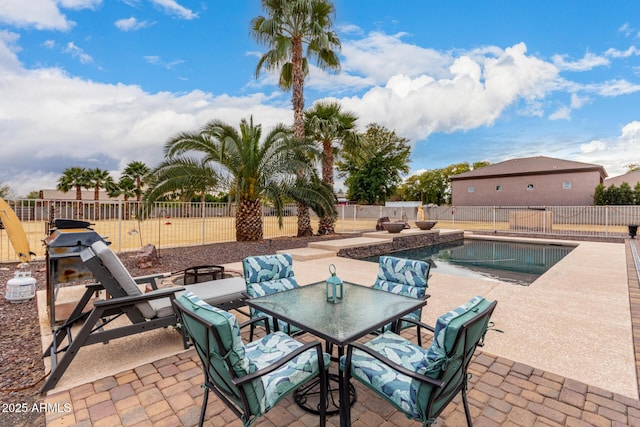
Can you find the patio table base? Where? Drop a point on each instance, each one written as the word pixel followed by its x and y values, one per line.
pixel 307 396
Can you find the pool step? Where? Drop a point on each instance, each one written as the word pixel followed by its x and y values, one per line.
pixel 354 242
pixel 307 254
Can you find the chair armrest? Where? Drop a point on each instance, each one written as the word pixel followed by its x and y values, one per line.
pixel 418 324
pixel 264 319
pixel 160 293
pixel 260 372
pixel 391 364
pixel 151 279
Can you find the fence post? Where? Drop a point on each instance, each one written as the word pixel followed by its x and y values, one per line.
pixel 606 221
pixel 119 226
pixel 494 218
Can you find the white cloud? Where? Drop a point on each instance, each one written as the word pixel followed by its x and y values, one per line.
pixel 173 8
pixel 381 56
pixel 156 60
pixel 49 44
pixel 78 53
pixel 562 113
pixel 614 153
pixel 615 53
pixel 42 14
pixel 578 101
pixel 131 24
pixel 588 62
pixel 476 93
pixel 613 88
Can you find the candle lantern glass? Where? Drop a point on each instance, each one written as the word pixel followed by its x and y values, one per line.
pixel 335 289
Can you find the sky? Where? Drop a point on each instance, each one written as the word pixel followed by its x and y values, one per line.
pixel 102 83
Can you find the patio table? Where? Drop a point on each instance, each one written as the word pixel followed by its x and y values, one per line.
pixel 361 311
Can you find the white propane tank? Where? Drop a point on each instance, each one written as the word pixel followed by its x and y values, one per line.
pixel 21 288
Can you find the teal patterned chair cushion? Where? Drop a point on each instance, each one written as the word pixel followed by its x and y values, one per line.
pixel 404 277
pixel 393 386
pixel 270 388
pixel 268 274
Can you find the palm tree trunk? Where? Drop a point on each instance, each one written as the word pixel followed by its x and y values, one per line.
pixel 304 219
pixel 327 223
pixel 249 221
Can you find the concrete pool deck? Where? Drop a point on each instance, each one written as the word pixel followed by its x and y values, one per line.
pixel 574 322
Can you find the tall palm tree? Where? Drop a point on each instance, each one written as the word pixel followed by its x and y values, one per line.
pixel 74 177
pixel 289 27
pixel 333 128
pixel 137 171
pixel 98 179
pixel 254 169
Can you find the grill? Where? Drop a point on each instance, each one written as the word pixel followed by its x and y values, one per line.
pixel 67 238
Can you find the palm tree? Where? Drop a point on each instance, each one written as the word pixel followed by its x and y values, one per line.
pixel 98 179
pixel 327 124
pixel 74 177
pixel 125 187
pixel 137 171
pixel 254 170
pixel 289 26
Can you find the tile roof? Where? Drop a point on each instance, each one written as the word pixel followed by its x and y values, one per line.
pixel 539 165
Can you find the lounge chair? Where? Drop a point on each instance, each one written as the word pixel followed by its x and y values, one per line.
pixel 404 277
pixel 422 382
pixel 250 379
pixel 265 275
pixel 145 311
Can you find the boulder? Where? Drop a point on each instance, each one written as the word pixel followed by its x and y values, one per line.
pixel 147 256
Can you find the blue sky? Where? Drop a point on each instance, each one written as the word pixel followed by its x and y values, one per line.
pixel 100 83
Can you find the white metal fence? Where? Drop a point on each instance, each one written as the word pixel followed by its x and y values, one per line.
pixel 187 224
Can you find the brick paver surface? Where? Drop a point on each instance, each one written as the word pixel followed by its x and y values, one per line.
pixel 501 393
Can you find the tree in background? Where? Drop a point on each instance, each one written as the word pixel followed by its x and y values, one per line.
pixel 288 27
pixel 434 186
pixel 373 171
pixel 6 192
pixel 125 187
pixel 613 195
pixel 138 172
pixel 74 178
pixel 334 130
pixel 98 179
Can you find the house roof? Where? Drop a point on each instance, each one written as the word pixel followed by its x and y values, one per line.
pixel 631 178
pixel 539 165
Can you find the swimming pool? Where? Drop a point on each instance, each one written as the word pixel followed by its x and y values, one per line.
pixel 512 262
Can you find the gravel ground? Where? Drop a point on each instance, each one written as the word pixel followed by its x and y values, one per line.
pixel 21 365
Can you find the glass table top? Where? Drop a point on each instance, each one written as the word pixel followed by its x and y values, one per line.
pixel 361 311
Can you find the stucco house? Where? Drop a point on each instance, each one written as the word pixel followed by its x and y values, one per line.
pixel 529 181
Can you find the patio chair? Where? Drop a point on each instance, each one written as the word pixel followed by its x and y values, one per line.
pixel 422 382
pixel 405 277
pixel 145 311
pixel 250 379
pixel 265 275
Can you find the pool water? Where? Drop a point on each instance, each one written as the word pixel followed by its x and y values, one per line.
pixel 512 262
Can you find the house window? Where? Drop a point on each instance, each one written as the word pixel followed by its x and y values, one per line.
pixel 498 187
pixel 470 189
pixel 529 186
pixel 566 185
